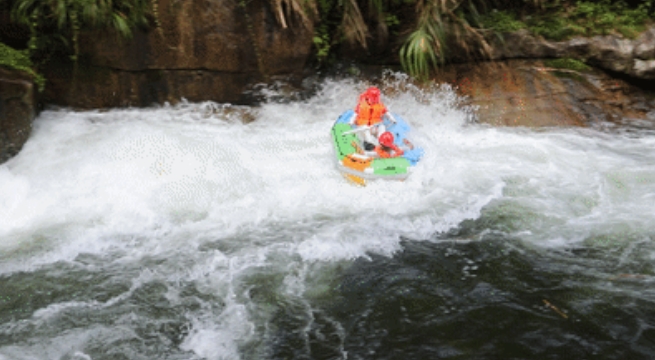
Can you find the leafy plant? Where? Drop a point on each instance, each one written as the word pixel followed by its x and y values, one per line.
pixel 587 18
pixel 442 23
pixel 62 20
pixel 322 43
pixel 553 27
pixel 502 21
pixel 418 57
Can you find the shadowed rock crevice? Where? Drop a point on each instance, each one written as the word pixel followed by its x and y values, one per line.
pixel 17 111
pixel 105 87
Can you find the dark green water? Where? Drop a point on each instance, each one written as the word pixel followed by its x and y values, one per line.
pixel 448 298
pixel 483 299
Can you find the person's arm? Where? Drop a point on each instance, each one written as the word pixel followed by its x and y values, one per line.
pixel 409 144
pixel 389 116
pixel 397 151
pixel 360 151
pixel 352 119
pixel 382 153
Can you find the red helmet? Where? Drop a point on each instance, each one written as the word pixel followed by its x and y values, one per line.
pixel 386 139
pixel 372 95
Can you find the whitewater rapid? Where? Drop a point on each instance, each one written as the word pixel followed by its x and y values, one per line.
pixel 192 194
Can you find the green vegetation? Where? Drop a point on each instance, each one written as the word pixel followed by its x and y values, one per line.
pixel 432 32
pixel 568 64
pixel 587 18
pixel 502 21
pixel 568 68
pixel 444 26
pixel 322 41
pixel 55 25
pixel 19 60
pixel 439 28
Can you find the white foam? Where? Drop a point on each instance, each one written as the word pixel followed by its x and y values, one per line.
pixel 85 178
pixel 66 345
pixel 212 344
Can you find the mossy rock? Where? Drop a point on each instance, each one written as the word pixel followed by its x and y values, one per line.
pixel 13 59
pixel 17 111
pixel 568 68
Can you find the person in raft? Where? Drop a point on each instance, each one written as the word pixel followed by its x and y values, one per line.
pixel 387 149
pixel 368 117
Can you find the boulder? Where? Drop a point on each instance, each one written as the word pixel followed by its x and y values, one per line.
pixel 521 44
pixel 611 53
pixel 528 93
pixel 644 45
pixel 644 68
pixel 632 57
pixel 17 111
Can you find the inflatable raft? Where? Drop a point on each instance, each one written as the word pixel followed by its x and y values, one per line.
pixel 361 167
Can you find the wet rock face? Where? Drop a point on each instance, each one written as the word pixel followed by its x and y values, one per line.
pixel 17 111
pixel 204 50
pixel 634 58
pixel 527 93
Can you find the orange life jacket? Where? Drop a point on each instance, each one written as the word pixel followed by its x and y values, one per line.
pixel 385 152
pixel 368 115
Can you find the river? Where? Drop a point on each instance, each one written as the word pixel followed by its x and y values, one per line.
pixel 183 232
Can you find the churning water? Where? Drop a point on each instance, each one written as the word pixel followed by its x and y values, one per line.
pixel 182 232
